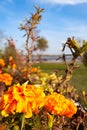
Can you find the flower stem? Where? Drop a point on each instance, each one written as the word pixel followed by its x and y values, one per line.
pixel 50 121
pixel 22 123
pixel 50 128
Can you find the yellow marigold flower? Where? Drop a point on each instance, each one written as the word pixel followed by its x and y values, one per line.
pixel 2 63
pixel 6 78
pixel 22 99
pixel 57 104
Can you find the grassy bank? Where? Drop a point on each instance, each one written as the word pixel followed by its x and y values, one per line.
pixel 79 78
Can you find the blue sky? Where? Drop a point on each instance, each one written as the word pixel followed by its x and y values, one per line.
pixel 61 19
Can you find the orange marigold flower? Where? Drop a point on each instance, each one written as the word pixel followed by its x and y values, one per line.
pixel 6 78
pixel 3 127
pixel 57 104
pixel 2 63
pixel 24 69
pixel 14 66
pixel 24 72
pixel 22 99
pixel 34 70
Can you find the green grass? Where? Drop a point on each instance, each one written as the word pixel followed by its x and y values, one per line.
pixel 49 67
pixel 79 77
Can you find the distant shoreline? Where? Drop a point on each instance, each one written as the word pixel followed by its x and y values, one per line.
pixel 52 58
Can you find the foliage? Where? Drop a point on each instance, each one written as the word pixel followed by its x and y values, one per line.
pixel 10 50
pixel 42 44
pixel 74 47
pixel 29 27
pixel 84 59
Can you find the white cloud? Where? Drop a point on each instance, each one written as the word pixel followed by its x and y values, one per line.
pixel 72 2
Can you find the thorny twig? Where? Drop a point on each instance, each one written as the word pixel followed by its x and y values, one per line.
pixel 29 27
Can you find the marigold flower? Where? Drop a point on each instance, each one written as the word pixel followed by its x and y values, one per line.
pixel 22 99
pixel 3 127
pixel 24 69
pixel 14 66
pixel 34 70
pixel 2 63
pixel 6 78
pixel 57 104
pixel 24 72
